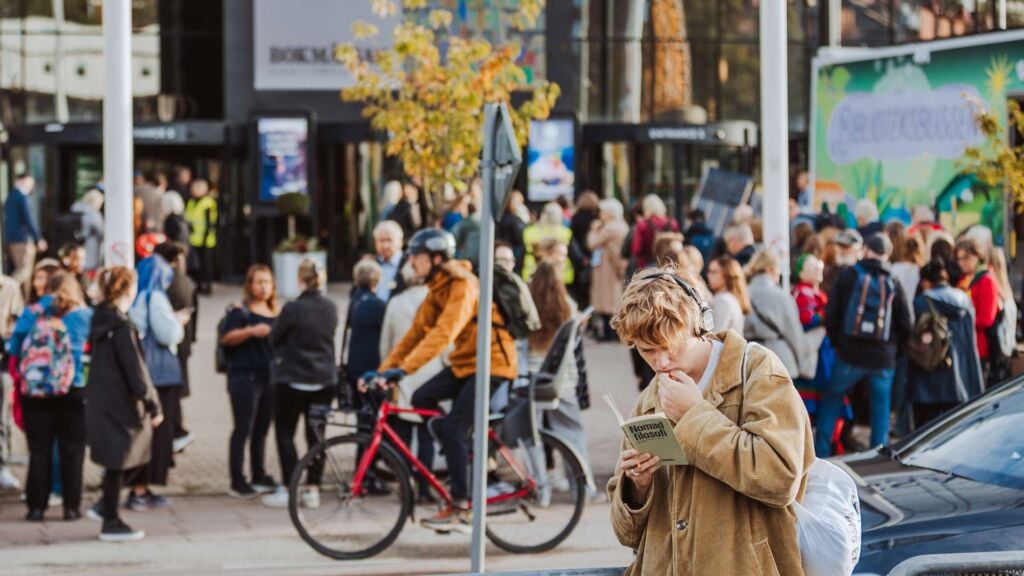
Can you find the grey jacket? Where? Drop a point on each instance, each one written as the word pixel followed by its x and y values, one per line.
pixel 774 322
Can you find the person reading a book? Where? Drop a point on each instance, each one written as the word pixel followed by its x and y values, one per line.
pixel 740 424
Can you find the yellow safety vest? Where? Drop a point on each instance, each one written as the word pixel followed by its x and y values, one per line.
pixel 534 235
pixel 201 214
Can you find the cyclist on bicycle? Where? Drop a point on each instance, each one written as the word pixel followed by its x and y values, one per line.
pixel 448 315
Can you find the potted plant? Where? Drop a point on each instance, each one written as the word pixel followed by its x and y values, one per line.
pixel 295 247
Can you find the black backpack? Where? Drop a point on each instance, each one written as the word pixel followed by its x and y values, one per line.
pixel 515 304
pixel 221 354
pixel 929 342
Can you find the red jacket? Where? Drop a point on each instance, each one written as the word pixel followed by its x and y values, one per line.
pixel 984 293
pixel 811 304
pixel 643 238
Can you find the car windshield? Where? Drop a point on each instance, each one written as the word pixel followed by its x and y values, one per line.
pixel 983 441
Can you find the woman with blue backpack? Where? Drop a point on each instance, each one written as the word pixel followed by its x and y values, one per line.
pixel 161 330
pixel 48 343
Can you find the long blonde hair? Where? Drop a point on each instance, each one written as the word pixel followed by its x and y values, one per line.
pixel 1001 273
pixel 735 281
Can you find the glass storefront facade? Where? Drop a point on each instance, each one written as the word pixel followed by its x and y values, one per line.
pixel 686 61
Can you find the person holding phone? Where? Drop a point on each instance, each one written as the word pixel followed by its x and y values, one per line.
pixel 122 407
pixel 746 437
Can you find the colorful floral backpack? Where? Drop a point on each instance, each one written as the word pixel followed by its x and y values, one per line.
pixel 47 362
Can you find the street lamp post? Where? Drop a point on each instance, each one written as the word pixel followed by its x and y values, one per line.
pixel 117 133
pixel 775 131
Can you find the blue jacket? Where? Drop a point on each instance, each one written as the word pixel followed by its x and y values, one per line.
pixel 18 221
pixel 365 319
pixel 77 322
pixel 963 380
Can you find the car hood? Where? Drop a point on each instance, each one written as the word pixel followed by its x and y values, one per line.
pixel 903 504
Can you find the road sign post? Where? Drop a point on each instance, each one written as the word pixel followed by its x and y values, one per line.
pixel 501 160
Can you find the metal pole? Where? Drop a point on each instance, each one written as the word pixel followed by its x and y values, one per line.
pixel 835 23
pixel 117 133
pixel 1002 14
pixel 774 132
pixel 483 345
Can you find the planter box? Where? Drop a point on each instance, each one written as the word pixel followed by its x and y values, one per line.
pixel 286 270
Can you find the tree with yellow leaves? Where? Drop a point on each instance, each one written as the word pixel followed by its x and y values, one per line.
pixel 428 89
pixel 997 162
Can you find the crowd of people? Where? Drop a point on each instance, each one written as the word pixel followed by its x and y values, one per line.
pixel 880 322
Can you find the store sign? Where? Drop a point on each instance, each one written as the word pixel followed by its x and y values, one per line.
pixel 551 152
pixel 293 42
pixel 283 156
pixel 902 125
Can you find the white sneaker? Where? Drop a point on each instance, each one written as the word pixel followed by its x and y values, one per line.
pixel 7 480
pixel 559 483
pixel 311 499
pixel 181 442
pixel 56 500
pixel 499 489
pixel 278 499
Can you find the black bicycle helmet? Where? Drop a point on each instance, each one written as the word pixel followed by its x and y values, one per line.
pixel 433 241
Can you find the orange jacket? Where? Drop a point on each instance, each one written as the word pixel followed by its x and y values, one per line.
pixel 449 315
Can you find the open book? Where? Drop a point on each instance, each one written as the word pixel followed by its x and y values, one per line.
pixel 651 433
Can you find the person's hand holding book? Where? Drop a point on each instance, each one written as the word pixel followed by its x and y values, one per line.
pixel 677 393
pixel 639 468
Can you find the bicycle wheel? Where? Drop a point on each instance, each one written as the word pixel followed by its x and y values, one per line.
pixel 541 520
pixel 347 526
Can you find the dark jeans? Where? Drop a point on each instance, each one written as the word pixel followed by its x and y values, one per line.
pixel 455 427
pixel 292 404
pixel 113 480
pixel 252 405
pixel 61 419
pixel 202 266
pixel 424 447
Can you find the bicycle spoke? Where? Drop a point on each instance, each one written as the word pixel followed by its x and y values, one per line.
pixel 344 525
pixel 543 517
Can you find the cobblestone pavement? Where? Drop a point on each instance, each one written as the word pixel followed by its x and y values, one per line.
pixel 206 532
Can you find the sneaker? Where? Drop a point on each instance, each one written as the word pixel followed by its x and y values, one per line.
pixel 559 483
pixel 182 441
pixel 7 480
pixel 264 485
pixel 311 499
pixel 118 531
pixel 499 489
pixel 34 516
pixel 56 501
pixel 156 501
pixel 95 512
pixel 243 492
pixel 138 503
pixel 72 515
pixel 451 519
pixel 279 499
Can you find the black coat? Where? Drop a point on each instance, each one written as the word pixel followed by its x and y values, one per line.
pixel 303 341
pixel 365 318
pixel 120 397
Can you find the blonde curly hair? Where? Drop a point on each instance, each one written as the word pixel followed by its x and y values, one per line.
pixel 657 311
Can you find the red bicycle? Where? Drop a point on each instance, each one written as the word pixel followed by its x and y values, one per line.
pixel 536 492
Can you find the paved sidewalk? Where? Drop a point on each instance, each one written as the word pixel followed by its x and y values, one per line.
pixel 207 532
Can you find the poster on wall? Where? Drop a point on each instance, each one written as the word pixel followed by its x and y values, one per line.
pixel 893 127
pixel 550 157
pixel 283 154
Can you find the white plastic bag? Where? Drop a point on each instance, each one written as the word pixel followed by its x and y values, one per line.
pixel 828 522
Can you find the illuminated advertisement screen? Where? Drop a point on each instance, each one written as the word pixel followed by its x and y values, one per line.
pixel 283 154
